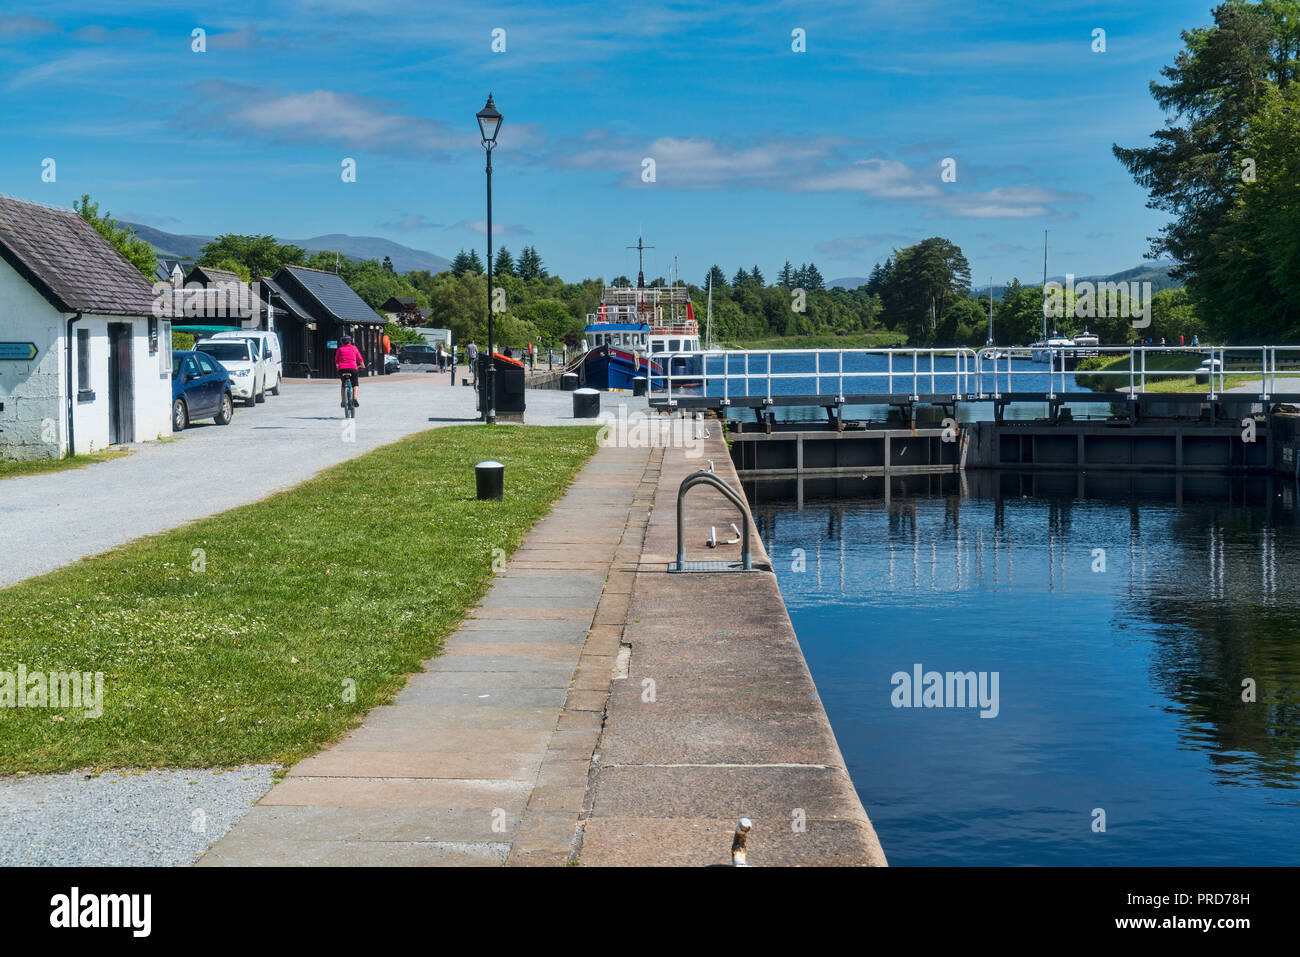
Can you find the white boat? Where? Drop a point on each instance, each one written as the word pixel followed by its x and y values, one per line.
pixel 1042 350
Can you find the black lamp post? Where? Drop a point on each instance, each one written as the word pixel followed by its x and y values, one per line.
pixel 489 122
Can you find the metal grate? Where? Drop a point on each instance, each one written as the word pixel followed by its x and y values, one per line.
pixel 710 567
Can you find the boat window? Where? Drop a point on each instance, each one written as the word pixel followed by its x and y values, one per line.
pixel 674 345
pixel 657 346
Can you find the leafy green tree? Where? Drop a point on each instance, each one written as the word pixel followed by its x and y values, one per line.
pixel 924 280
pixel 1216 91
pixel 136 250
pixel 260 255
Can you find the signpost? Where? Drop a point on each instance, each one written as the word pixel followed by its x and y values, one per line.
pixel 18 351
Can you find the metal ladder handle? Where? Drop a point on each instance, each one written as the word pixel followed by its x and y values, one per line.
pixel 708 478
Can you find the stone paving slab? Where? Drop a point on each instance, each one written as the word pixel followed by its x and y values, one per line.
pixel 735 727
pixel 485 756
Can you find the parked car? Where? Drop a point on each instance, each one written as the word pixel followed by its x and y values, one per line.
pixel 391 364
pixel 200 389
pixel 242 360
pixel 268 345
pixel 426 355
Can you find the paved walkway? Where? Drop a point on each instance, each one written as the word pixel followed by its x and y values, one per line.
pixel 484 757
pixel 54 519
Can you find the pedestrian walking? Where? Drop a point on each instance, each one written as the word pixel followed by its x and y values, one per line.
pixel 471 353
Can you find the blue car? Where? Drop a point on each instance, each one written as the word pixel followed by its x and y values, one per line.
pixel 200 390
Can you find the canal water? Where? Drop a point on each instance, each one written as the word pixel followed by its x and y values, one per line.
pixel 1124 617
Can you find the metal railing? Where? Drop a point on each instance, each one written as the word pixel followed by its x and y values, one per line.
pixel 836 373
pixel 706 477
pixel 998 370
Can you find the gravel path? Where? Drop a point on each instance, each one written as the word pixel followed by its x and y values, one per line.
pixel 54 519
pixel 123 819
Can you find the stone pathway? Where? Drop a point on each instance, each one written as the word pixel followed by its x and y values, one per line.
pixel 483 759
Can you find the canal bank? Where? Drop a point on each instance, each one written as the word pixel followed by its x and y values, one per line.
pixel 714 715
pixel 534 738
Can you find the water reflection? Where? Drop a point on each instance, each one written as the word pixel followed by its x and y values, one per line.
pixel 1124 611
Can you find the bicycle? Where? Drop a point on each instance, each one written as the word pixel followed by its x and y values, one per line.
pixel 349 402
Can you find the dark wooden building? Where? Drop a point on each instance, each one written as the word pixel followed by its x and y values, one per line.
pixel 312 309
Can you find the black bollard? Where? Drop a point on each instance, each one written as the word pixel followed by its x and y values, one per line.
pixel 569 381
pixel 638 385
pixel 490 479
pixel 586 404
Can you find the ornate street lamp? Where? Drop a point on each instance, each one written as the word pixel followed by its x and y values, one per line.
pixel 489 123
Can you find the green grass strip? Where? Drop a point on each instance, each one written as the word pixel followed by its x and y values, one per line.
pixel 357 575
pixel 10 469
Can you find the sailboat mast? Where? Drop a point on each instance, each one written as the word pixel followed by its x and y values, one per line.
pixel 708 316
pixel 990 310
pixel 1044 286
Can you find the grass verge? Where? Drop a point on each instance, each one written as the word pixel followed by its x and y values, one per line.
pixel 42 466
pixel 243 652
pixel 1164 381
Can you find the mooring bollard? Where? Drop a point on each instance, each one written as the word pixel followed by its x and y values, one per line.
pixel 569 381
pixel 638 385
pixel 490 479
pixel 738 856
pixel 586 403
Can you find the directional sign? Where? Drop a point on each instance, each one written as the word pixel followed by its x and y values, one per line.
pixel 21 351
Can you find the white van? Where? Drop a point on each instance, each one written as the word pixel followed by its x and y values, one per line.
pixel 268 344
pixel 242 360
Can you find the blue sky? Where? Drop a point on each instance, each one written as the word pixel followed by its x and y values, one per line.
pixel 761 154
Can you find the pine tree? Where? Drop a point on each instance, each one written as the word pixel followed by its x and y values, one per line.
pixel 475 263
pixel 504 264
pixel 812 278
pixel 756 276
pixel 529 264
pixel 800 277
pixel 461 263
pixel 785 278
pixel 388 263
pixel 740 278
pixel 718 276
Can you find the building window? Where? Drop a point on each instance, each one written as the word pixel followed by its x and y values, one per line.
pixel 84 392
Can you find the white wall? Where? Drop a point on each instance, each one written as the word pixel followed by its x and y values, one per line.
pixel 34 418
pixel 31 423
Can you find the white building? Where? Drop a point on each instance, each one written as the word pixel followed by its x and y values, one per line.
pixel 84 363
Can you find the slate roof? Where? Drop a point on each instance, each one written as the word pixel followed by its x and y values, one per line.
pixel 214 275
pixel 286 298
pixel 69 263
pixel 335 295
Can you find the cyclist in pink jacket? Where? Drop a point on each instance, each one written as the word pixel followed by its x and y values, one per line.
pixel 348 360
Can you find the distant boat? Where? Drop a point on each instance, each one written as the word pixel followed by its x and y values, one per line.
pixel 1042 350
pixel 641 331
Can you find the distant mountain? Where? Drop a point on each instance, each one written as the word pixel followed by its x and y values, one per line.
pixel 356 248
pixel 848 282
